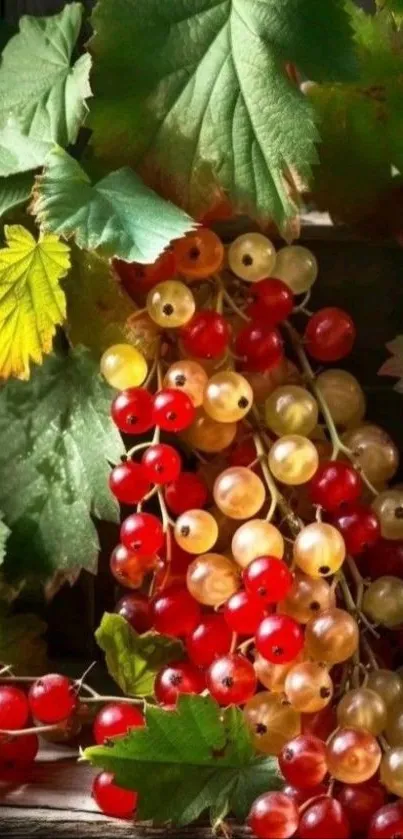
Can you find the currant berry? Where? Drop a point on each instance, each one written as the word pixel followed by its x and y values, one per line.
pixel 259 347
pixel 52 699
pixel 132 410
pixel 242 453
pixel 18 752
pixel 321 724
pixel 279 639
pixel 330 334
pixel 268 579
pixel 228 397
pixel 291 409
pixel 303 761
pixel 273 816
pixel 123 366
pixel 324 819
pixel 231 679
pixel 308 686
pixel 14 708
pixel 334 483
pixel 208 435
pixel 210 639
pixel 388 506
pixel 199 254
pixel 251 257
pixel 212 579
pixel 115 720
pixel 387 823
pixel 307 597
pixel 206 335
pixel 272 301
pixel 300 796
pixel 129 567
pixel 359 526
pixel 129 482
pixel 256 538
pixel 170 304
pixel 362 708
pixel 142 533
pixel 173 410
pixel 385 558
pixel 319 550
pixel 360 802
pixel 353 755
pixel 189 377
pixel 383 601
pixel 293 459
pixel 175 612
pixel 177 678
pixel 136 277
pixel 162 463
pixel 187 492
pixel 111 799
pixel 344 397
pixel 243 613
pixel 297 266
pixel 239 493
pixel 271 721
pixel 136 610
pixel 374 451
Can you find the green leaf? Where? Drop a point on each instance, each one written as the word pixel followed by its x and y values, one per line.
pixel 57 441
pixel 133 660
pixel 21 642
pixel 4 534
pixel 15 191
pixel 119 214
pixel 98 308
pixel 189 760
pixel 40 92
pixel 206 105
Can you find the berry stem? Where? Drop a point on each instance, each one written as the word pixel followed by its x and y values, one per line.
pixel 228 299
pixel 277 499
pixel 39 729
pixel 167 522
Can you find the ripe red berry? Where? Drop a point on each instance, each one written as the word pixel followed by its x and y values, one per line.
pixel 129 482
pixel 324 819
pixel 330 334
pixel 321 723
pixel 18 752
pixel 129 568
pixel 259 347
pixel 14 708
pixel 243 454
pixel 303 761
pixel 384 558
pixel 161 463
pixel 52 698
pixel 360 802
pixel 136 277
pixel 177 678
pixel 132 410
pixel 115 720
pixel 173 410
pixel 210 639
pixel 243 613
pixel 279 639
pixel 175 612
pixel 359 526
pixel 272 301
pixel 387 823
pixel 174 571
pixel 112 800
pixel 273 816
pixel 142 533
pixel 231 679
pixel 136 610
pixel 333 484
pixel 206 335
pixel 268 579
pixel 300 796
pixel 187 492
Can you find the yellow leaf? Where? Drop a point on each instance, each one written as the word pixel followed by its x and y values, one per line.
pixel 32 302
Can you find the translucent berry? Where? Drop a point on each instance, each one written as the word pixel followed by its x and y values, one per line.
pixel 228 397
pixel 251 257
pixel 123 366
pixel 18 752
pixel 129 482
pixel 170 304
pixel 279 639
pixel 335 483
pixel 132 410
pixel 111 799
pixel 137 277
pixel 199 254
pixel 353 755
pixel 210 639
pixel 259 347
pixel 177 678
pixel 115 720
pixel 297 266
pixel 330 334
pixel 161 463
pixel 173 410
pixel 359 526
pixel 187 492
pixel 135 608
pixel 293 459
pixel 272 301
pixel 303 761
pixel 189 377
pixel 14 709
pixel 324 819
pixel 273 816
pixel 360 802
pixel 206 335
pixel 387 823
pixel 129 567
pixel 268 579
pixel 52 698
pixel 231 679
pixel 175 612
pixel 243 613
pixel 142 533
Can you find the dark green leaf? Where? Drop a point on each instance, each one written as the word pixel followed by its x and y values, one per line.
pixel 21 642
pixel 133 660
pixel 15 190
pixel 186 761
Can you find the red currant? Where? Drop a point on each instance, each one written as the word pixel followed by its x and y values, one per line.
pixel 300 796
pixel 162 463
pixel 136 609
pixel 384 558
pixel 279 639
pixel 173 410
pixel 52 698
pixel 136 277
pixel 324 819
pixel 175 570
pixel 142 533
pixel 175 612
pixel 206 335
pixel 199 254
pixel 360 802
pixel 321 724
pixel 18 752
pixel 259 347
pixel 210 639
pixel 231 679
pixel 387 823
pixel 187 492
pixel 113 800
pixel 129 568
pixel 14 708
pixel 129 482
pixel 273 816
pixel 303 761
pixel 132 410
pixel 115 720
pixel 359 526
pixel 272 301
pixel 175 679
pixel 268 579
pixel 243 453
pixel 333 484
pixel 330 334
pixel 243 613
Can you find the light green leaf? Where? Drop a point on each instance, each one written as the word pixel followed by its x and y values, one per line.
pixel 206 105
pixel 14 191
pixel 21 642
pixel 133 660
pixel 42 94
pixel 189 760
pixel 119 215
pixel 57 441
